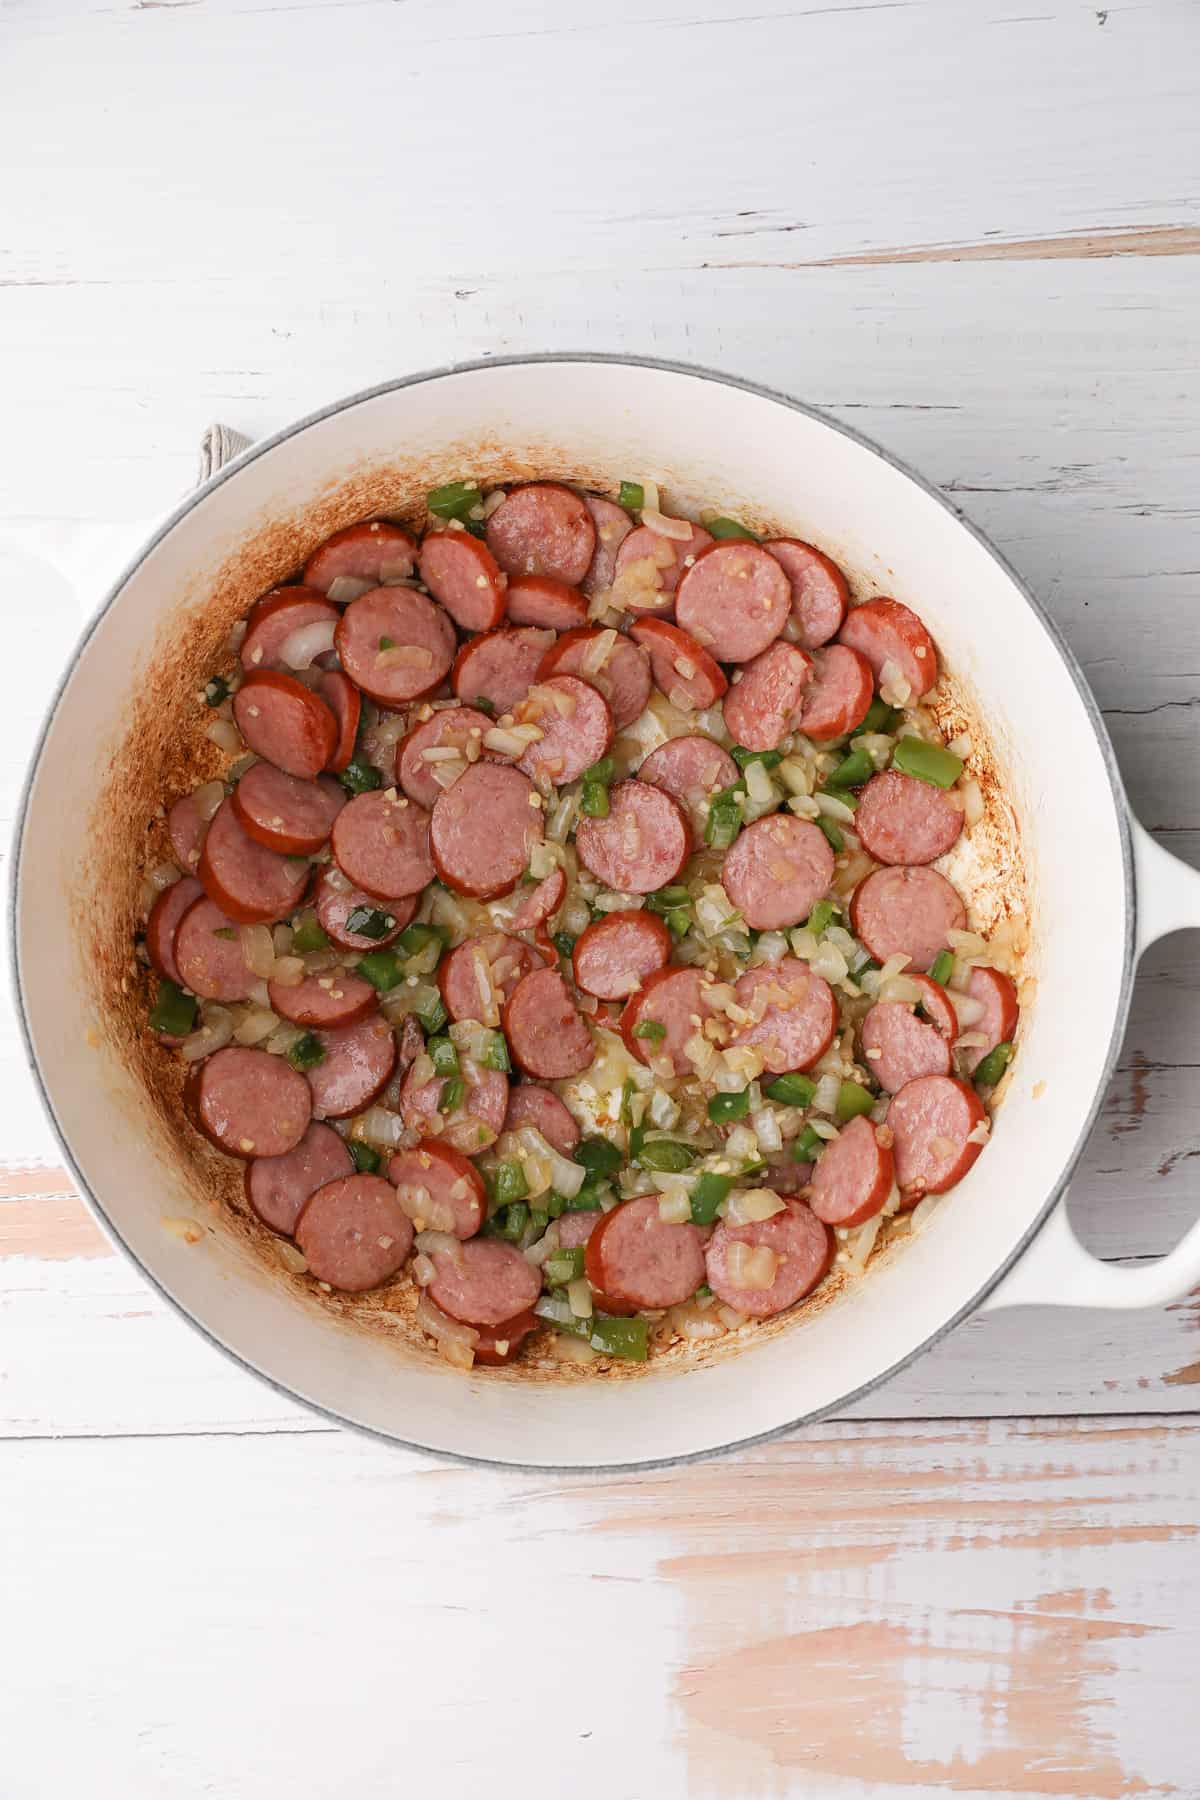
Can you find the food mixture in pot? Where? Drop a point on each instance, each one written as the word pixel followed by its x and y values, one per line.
pixel 568 936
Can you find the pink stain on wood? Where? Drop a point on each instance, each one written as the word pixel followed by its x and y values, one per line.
pixel 20 1184
pixel 1071 246
pixel 55 1229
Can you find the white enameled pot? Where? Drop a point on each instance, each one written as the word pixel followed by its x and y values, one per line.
pixel 1099 892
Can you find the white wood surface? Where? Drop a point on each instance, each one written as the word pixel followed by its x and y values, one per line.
pixel 970 229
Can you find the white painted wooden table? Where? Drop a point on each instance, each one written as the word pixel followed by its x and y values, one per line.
pixel 972 231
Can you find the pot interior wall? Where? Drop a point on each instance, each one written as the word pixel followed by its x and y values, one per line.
pixel 124 726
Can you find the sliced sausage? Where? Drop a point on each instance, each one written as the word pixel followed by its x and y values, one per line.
pixel 906 912
pixel 803 1245
pixel 465 577
pixel 410 1045
pixel 682 669
pixel 286 814
pixel 276 617
pixel 543 529
pixel 246 880
pixel 899 1047
pixel 613 525
pixel 335 903
pixel 902 820
pixel 820 594
pixel 484 829
pixel 472 974
pixel 345 703
pixel 376 552
pixel 776 870
pixel 936 1005
pixel 426 748
pixel 614 955
pixel 355 1068
pixel 540 600
pixel 542 903
pixel 498 1344
pixel 208 954
pixel 395 644
pixel 446 1191
pixel 354 1233
pixel 765 700
pixel 642 845
pixel 500 667
pixel 691 770
pixel 931 1121
pixel 575 1228
pixel 839 695
pixel 279 1187
pixel 677 999
pixel 888 631
pixel 329 1002
pixel 248 1103
pixel 633 1258
pixel 483 1282
pixel 538 1107
pixel 474 1125
pixel 381 843
pixel 853 1176
pixel 285 722
pixel 998 997
pixel 576 727
pixel 619 669
pixel 166 916
pixel 795 1014
pixel 649 568
pixel 546 1033
pixel 735 600
pixel 187 832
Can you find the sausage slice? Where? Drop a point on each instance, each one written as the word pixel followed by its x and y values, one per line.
pixel 540 600
pixel 246 880
pixel 839 695
pixel 898 1047
pixel 395 644
pixel 285 722
pixel 853 1176
pixel 888 631
pixel 279 1187
pixel 483 830
pixel 374 552
pixel 801 1242
pixel 616 667
pixel 444 1189
pixel 382 844
pixel 248 1103
pixel 484 1282
pixel 734 600
pixel 682 668
pixel 820 593
pixel 546 1033
pixel 465 577
pixel 500 667
pixel 931 1122
pixel 543 529
pixel 766 698
pixel 614 955
pixel 166 916
pixel 529 1104
pixel 642 845
pixel 903 820
pixel 354 1233
pixel 906 912
pixel 286 814
pixel 795 1014
pixel 776 870
pixel 633 1258
pixel 355 1068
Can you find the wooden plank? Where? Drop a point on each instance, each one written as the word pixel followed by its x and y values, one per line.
pixel 994 1609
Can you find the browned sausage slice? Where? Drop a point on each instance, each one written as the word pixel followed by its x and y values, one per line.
pixel 354 1233
pixel 538 1107
pixel 642 844
pixel 903 820
pixel 276 617
pixel 286 723
pixel 327 1002
pixel 888 631
pixel 500 667
pixel 249 882
pixel 853 1176
pixel 249 1103
pixel 484 829
pixel 575 724
pixel 682 669
pixel 633 1258
pixel 614 955
pixel 539 600
pixel 794 1014
pixel 802 1245
pixel 675 999
pixel 484 1282
pixel 279 1187
pixel 381 844
pixel 899 1047
pixel 932 1121
pixel 443 1191
pixel 465 577
pixel 395 644
pixel 546 1034
pixel 617 668
pixel 472 974
pixel 425 754
pixel 906 912
pixel 335 899
pixel 374 553
pixel 649 568
pixel 166 916
pixel 998 997
pixel 766 698
pixel 691 770
pixel 734 600
pixel 776 870
pixel 286 814
pixel 497 1344
pixel 208 954
pixel 187 832
pixel 839 695
pixel 542 903
pixel 355 1068
pixel 613 525
pixel 472 1126
pixel 345 703
pixel 819 591
pixel 543 529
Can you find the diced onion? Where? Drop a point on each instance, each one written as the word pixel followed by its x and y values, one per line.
pixel 972 799
pixel 300 649
pixel 225 735
pixel 579 1297
pixel 215 1031
pixel 751 1266
pixel 663 526
pixel 749 1206
pixel 344 588
pixel 163 876
pixel 439 1325
pixel 289 970
pixel 565 1177
pixel 379 1126
pixel 674 1208
pixel 766 1129
pixel 258 950
pixel 254 1025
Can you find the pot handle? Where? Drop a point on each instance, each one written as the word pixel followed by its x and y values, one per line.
pixel 1056 1270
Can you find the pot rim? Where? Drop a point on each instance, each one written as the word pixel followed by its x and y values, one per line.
pixel 760 391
